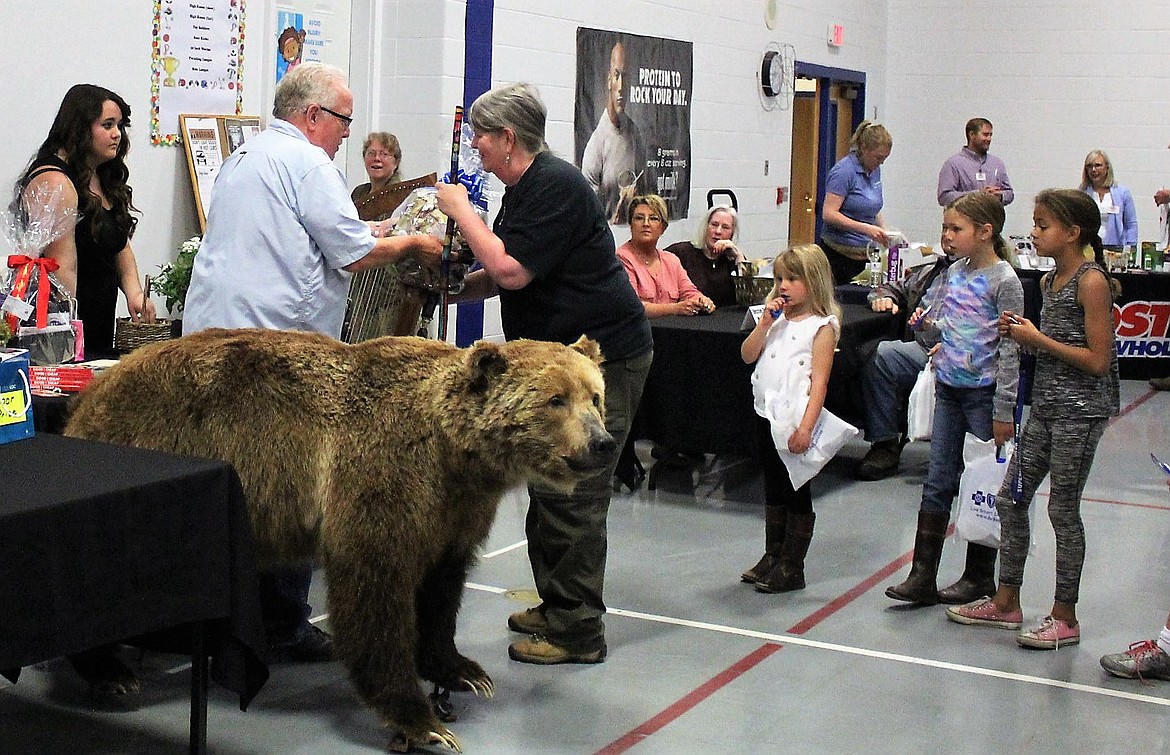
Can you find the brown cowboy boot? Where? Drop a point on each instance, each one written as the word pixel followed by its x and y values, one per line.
pixel 978 578
pixel 788 573
pixel 921 586
pixel 774 522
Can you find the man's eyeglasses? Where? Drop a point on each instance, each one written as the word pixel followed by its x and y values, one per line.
pixel 346 119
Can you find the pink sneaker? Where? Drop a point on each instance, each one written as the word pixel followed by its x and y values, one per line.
pixel 983 612
pixel 1050 634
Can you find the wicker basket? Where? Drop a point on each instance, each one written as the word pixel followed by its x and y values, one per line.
pixel 750 289
pixel 129 336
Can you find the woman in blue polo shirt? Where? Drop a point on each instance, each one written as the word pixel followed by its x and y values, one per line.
pixel 852 210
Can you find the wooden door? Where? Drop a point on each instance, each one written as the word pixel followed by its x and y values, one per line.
pixel 802 206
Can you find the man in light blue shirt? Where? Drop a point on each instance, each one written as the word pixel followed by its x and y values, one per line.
pixel 283 235
pixel 282 239
pixel 973 168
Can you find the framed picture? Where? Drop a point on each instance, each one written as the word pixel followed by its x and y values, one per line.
pixel 208 140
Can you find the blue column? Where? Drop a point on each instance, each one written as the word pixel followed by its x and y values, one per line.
pixel 477 79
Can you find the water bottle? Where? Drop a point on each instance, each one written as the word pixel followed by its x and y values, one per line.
pixel 874 252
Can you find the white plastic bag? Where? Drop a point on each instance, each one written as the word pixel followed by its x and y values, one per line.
pixel 983 473
pixel 828 436
pixel 920 414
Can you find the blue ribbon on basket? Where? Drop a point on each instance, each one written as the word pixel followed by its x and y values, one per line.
pixel 476 187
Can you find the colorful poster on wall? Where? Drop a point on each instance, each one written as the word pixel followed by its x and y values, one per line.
pixel 197 50
pixel 632 123
pixel 300 38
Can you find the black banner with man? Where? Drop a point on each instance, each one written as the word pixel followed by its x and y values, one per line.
pixel 632 122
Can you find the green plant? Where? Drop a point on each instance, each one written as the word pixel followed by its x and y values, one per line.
pixel 173 280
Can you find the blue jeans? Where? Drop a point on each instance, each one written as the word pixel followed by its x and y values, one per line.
pixel 886 382
pixel 957 411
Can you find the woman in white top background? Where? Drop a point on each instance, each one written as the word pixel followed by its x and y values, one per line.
pixel 1118 215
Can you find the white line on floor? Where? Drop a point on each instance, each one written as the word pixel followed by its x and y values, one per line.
pixel 502 551
pixel 787 639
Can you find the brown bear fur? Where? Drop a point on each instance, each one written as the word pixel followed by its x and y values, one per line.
pixel 385 460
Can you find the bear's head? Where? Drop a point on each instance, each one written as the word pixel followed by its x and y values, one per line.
pixel 542 408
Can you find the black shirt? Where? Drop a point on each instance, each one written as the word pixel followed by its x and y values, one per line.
pixel 552 223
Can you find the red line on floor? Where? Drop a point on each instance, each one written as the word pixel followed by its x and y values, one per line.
pixel 696 696
pixel 690 700
pixel 711 686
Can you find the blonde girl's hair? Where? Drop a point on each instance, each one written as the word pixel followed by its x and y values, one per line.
pixel 984 209
pixel 870 135
pixel 807 262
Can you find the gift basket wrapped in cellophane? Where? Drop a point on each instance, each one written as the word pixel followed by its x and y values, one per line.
pixel 395 300
pixel 38 310
pixel 753 281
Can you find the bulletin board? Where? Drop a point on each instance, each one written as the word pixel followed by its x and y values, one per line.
pixel 208 140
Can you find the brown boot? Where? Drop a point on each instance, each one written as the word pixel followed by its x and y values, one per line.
pixel 881 461
pixel 774 522
pixel 978 580
pixel 920 587
pixel 788 573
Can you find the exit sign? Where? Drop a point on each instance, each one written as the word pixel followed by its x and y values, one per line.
pixel 836 35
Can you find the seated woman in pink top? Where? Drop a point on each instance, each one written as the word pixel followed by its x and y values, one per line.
pixel 656 275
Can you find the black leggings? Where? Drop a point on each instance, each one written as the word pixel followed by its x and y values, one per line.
pixel 778 489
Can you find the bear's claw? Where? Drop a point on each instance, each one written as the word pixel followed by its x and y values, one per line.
pixel 484 687
pixel 402 743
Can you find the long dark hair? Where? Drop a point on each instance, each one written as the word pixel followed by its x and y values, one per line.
pixel 71 133
pixel 1075 209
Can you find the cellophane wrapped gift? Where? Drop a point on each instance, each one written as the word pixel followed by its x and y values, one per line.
pixel 36 306
pixel 420 213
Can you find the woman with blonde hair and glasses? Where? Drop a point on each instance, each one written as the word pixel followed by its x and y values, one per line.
pixel 852 210
pixel 657 276
pixel 1118 214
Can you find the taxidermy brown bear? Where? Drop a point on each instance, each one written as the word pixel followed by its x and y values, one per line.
pixel 385 460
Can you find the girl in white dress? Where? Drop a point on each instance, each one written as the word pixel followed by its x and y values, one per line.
pixel 793 342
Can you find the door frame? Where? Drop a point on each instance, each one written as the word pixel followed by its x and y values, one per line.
pixel 828 117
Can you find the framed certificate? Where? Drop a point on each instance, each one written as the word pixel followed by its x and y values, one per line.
pixel 208 140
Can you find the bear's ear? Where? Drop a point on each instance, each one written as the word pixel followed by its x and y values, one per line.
pixel 589 348
pixel 485 362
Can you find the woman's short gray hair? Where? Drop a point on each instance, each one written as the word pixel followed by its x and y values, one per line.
pixel 514 106
pixel 306 84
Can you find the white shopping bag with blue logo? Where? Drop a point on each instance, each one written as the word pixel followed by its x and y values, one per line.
pixel 983 473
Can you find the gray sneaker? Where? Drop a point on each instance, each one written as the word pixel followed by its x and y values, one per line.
pixel 1143 660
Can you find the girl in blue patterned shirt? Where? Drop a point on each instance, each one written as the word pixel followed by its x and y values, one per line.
pixel 976 374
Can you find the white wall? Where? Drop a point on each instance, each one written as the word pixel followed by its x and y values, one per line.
pixel 1056 77
pixel 732 134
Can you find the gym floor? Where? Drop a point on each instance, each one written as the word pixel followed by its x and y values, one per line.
pixel 701 663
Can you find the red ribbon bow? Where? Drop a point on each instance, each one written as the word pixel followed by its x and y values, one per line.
pixel 27 265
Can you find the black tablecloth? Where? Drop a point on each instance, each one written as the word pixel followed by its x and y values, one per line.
pixel 102 543
pixel 698 395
